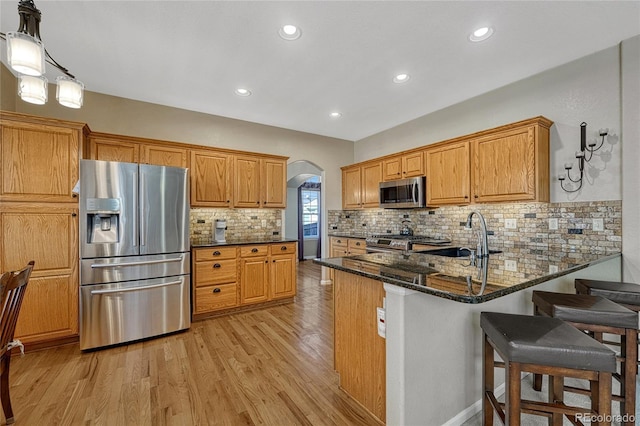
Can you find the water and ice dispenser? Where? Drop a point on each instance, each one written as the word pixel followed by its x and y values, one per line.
pixel 103 220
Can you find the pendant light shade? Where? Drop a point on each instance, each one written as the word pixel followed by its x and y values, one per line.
pixel 33 89
pixel 70 92
pixel 25 53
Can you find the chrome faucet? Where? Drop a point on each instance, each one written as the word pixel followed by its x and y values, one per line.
pixel 483 243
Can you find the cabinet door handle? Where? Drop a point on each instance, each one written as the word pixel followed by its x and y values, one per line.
pixel 216 265
pixel 216 253
pixel 73 215
pixel 266 261
pixel 74 195
pixel 257 202
pixel 216 290
pixel 274 261
pixel 254 250
pixel 475 196
pixel 283 248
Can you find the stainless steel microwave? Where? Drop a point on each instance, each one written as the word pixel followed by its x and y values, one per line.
pixel 403 193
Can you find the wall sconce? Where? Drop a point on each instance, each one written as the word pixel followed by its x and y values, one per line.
pixel 26 55
pixel 585 154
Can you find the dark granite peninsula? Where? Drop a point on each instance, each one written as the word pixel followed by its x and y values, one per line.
pixel 235 241
pixel 431 351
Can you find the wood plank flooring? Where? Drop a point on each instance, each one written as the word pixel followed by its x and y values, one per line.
pixel 267 367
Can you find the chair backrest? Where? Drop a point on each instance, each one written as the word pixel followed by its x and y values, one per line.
pixel 14 286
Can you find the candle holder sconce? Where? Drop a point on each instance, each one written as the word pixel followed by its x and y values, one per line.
pixel 584 155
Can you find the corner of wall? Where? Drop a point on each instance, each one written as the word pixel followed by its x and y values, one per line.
pixel 8 89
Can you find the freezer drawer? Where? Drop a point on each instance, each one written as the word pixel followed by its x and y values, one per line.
pixel 130 268
pixel 123 312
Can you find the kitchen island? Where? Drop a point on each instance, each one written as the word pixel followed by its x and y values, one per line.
pixel 431 360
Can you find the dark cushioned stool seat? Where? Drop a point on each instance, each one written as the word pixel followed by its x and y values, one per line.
pixel 542 345
pixel 597 315
pixel 584 308
pixel 625 293
pixel 545 341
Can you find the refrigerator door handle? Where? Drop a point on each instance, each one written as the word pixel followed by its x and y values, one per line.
pixel 144 262
pixel 126 290
pixel 143 212
pixel 135 210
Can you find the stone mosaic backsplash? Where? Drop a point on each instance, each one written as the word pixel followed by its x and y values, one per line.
pixel 578 227
pixel 241 223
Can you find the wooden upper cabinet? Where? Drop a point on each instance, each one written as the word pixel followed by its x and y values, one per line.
pixel 107 147
pixel 360 186
pixel 512 165
pixel 274 182
pixel 247 181
pixel 164 156
pixel 403 166
pixel 110 149
pixel 392 168
pixel 259 182
pixel 38 162
pixel 448 174
pixel 351 185
pixel 211 178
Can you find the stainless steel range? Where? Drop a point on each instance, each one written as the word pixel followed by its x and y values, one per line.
pixel 386 243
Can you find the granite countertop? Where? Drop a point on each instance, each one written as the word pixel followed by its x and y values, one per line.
pixel 453 278
pixel 245 241
pixel 349 234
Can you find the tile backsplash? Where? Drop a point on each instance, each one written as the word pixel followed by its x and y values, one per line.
pixel 241 223
pixel 582 227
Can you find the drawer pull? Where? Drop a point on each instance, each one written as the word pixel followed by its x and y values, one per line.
pixel 358 243
pixel 283 248
pixel 216 265
pixel 254 250
pixel 338 241
pixel 216 290
pixel 216 253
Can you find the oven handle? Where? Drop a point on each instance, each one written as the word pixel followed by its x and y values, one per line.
pixel 381 250
pixel 144 262
pixel 129 289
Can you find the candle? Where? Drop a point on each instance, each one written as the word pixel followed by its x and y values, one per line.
pixel 568 166
pixel 583 136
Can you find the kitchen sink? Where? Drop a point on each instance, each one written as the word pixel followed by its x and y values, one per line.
pixel 452 252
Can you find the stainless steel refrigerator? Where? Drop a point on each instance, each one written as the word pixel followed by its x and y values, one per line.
pixel 134 250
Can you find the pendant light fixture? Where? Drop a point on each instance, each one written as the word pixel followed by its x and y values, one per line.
pixel 27 55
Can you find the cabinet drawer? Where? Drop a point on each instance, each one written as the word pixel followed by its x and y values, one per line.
pixel 283 248
pixel 259 250
pixel 215 272
pixel 339 242
pixel 214 253
pixel 211 298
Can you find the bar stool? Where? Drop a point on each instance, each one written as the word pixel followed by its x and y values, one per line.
pixel 598 315
pixel 543 345
pixel 625 294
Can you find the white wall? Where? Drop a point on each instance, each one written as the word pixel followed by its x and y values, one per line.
pixel 631 156
pixel 587 89
pixel 291 214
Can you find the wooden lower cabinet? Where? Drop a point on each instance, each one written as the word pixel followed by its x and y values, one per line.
pixel 49 236
pixel 235 277
pixel 341 247
pixel 359 352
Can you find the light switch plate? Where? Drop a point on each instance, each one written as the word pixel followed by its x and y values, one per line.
pixel 553 269
pixel 598 224
pixel 510 265
pixel 510 223
pixel 553 223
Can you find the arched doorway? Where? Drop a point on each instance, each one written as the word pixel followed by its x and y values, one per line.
pixel 304 212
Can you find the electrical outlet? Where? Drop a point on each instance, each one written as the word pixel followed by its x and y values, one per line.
pixel 598 224
pixel 263 223
pixel 553 269
pixel 510 265
pixel 510 223
pixel 553 223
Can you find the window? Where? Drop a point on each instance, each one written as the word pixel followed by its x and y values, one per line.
pixel 310 212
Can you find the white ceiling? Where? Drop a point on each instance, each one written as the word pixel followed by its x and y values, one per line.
pixel 193 54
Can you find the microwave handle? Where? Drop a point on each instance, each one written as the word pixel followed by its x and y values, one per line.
pixel 415 192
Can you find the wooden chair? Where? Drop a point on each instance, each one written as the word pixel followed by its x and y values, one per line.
pixel 14 285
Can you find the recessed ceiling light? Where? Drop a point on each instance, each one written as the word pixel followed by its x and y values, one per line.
pixel 289 32
pixel 240 91
pixel 335 114
pixel 401 78
pixel 481 34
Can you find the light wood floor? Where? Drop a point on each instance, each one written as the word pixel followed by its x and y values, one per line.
pixel 271 367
